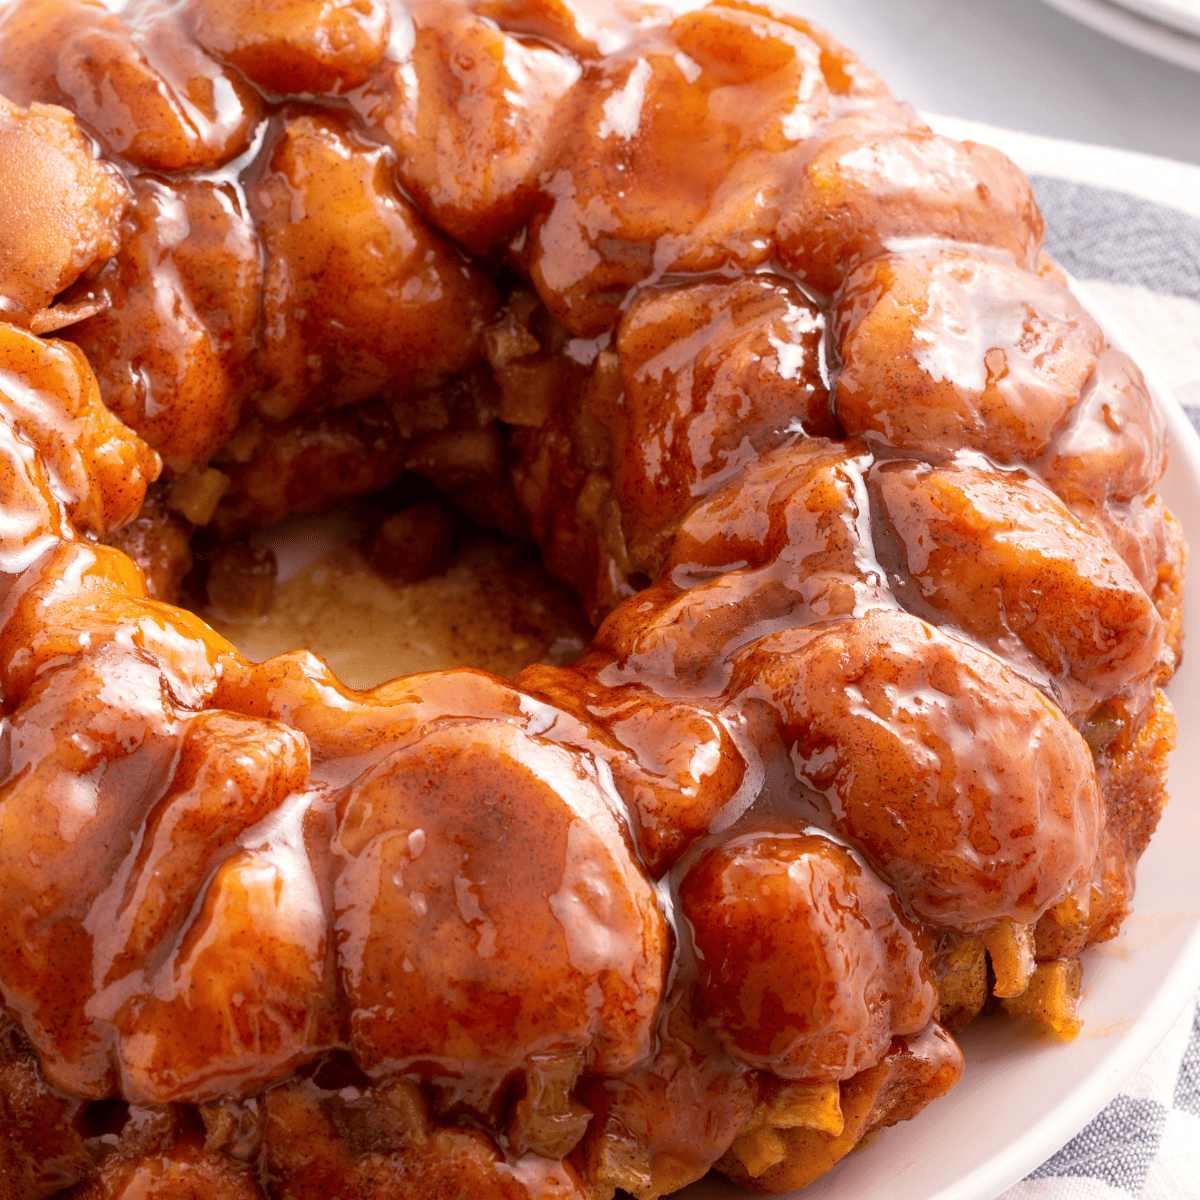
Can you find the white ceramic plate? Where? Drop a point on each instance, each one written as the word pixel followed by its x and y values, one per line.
pixel 1023 1096
pixel 1182 14
pixel 1160 27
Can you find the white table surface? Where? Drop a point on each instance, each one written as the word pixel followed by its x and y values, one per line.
pixel 1023 65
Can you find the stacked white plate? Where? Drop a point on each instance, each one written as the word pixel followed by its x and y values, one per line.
pixel 1168 29
pixel 1182 14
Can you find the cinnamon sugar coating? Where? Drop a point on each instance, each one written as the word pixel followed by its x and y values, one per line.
pixel 860 499
pixel 63 208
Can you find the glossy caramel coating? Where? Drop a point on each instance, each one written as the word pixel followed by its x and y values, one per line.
pixel 1148 536
pixel 778 379
pixel 521 903
pixel 676 764
pixel 143 88
pixel 743 87
pixel 1113 446
pixel 702 380
pixel 787 544
pixel 175 1171
pixel 968 789
pixel 361 296
pixel 660 1126
pixel 806 961
pixel 293 46
pixel 63 207
pixel 89 463
pixel 1007 560
pixel 942 349
pixel 171 347
pixel 693 419
pixel 855 196
pixel 471 142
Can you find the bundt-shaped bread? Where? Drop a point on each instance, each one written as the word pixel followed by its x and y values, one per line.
pixel 780 381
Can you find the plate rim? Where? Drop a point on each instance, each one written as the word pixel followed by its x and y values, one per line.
pixel 1139 30
pixel 1165 13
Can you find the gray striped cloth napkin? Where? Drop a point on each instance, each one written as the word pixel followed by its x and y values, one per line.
pixel 1129 227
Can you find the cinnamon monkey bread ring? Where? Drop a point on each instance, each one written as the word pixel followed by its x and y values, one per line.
pixel 872 729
